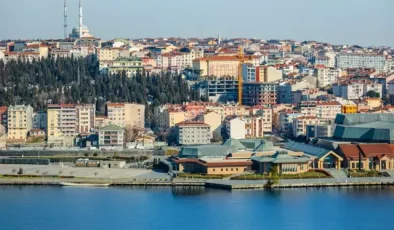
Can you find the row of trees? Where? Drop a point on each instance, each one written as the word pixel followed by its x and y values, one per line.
pixel 71 80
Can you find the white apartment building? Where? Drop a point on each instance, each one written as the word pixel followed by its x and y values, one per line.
pixel 182 59
pixel 245 127
pixel 356 90
pixel 300 124
pixel 326 76
pixel 193 133
pixel 375 61
pixel 322 110
pixel 86 116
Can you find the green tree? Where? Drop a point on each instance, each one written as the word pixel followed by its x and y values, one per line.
pixel 373 94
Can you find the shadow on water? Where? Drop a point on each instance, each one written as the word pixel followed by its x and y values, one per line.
pixel 188 190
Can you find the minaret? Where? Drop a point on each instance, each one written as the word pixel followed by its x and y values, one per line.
pixel 65 19
pixel 80 19
pixel 219 39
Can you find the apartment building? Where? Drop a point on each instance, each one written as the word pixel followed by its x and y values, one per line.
pixel 326 76
pixel 181 59
pixel 86 114
pixel 126 114
pixel 351 60
pixel 267 116
pixel 321 109
pixel 131 66
pixel 356 89
pixel 62 121
pixel 222 66
pixel 111 137
pixel 246 127
pixel 300 124
pixel 260 94
pixel 219 89
pixel 285 120
pixel 251 73
pixel 19 122
pixel 101 121
pixel 214 120
pixel 193 133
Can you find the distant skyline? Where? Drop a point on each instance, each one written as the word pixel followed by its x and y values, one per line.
pixel 361 22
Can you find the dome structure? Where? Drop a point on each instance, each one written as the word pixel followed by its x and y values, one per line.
pixel 75 32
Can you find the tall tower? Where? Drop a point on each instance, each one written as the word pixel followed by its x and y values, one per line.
pixel 65 19
pixel 219 39
pixel 80 19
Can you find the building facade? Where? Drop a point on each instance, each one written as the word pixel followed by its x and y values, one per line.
pixel 111 138
pixel 193 133
pixel 19 122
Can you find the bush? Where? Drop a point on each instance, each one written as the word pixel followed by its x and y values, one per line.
pixel 86 154
pixel 95 154
pixel 20 172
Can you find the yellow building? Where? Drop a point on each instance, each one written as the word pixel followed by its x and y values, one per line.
pixel 222 66
pixel 349 109
pixel 20 122
pixel 126 115
pixel 131 66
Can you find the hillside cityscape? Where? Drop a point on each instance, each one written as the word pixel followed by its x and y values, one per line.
pixel 201 107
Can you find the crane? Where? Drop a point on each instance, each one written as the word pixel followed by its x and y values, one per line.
pixel 240 83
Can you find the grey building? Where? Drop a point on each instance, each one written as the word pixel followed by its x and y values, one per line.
pixel 193 133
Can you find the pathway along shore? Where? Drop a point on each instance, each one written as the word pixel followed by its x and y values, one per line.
pixel 217 184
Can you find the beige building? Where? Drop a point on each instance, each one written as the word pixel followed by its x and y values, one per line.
pixel 247 127
pixel 222 66
pixel 193 133
pixel 62 124
pixel 86 114
pixel 267 116
pixel 111 138
pixel 101 121
pixel 167 117
pixel 126 114
pixel 269 74
pixel 20 122
pixel 214 120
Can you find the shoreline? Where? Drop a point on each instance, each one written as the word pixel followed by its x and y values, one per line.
pixel 236 185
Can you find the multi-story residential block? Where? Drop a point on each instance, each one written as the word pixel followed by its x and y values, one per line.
pixel 62 121
pixel 356 89
pixel 285 120
pixel 267 116
pixel 300 124
pixel 4 116
pixel 86 114
pixel 351 60
pixel 182 59
pixel 348 107
pixel 260 94
pixel 214 120
pixel 322 110
pixel 111 137
pixel 222 66
pixel 19 122
pixel 326 76
pixel 129 66
pixel 193 133
pixel 126 115
pixel 40 120
pixel 246 127
pixel 251 73
pixel 319 131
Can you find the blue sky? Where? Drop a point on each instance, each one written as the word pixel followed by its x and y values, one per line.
pixel 361 22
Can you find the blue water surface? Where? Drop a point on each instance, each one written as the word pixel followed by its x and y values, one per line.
pixel 61 208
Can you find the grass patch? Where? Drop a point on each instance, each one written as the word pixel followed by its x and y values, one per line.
pixel 307 175
pixel 199 176
pixel 364 173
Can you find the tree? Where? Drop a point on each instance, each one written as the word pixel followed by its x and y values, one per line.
pixel 273 176
pixel 20 171
pixel 373 94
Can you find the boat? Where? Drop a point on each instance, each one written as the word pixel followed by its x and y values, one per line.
pixel 83 184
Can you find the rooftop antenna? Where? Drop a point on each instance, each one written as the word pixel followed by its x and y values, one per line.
pixel 65 19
